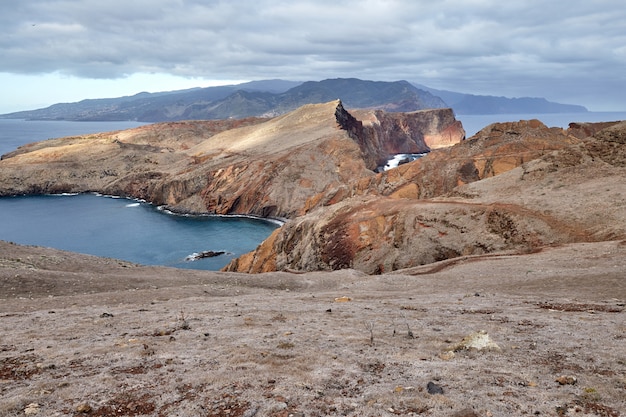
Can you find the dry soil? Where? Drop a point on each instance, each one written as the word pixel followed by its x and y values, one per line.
pixel 81 335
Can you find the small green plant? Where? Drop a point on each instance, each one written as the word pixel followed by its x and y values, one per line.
pixel 591 395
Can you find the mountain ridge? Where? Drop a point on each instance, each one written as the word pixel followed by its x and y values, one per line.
pixel 463 103
pixel 269 98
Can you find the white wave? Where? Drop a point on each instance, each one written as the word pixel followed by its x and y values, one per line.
pixel 273 220
pixel 397 159
pixel 133 205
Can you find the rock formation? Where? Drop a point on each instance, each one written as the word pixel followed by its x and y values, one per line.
pixel 492 151
pixel 254 166
pixel 537 190
pixel 513 187
pixel 382 134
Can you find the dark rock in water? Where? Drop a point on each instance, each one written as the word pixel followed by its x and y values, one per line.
pixel 434 388
pixel 204 254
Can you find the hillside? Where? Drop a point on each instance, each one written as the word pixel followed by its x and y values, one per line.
pixel 276 97
pixel 515 187
pixel 97 337
pixel 265 167
pixel 239 101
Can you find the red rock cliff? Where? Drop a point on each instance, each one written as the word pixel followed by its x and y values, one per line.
pixel 262 167
pixel 515 186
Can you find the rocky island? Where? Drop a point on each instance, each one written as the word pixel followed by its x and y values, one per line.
pixel 484 279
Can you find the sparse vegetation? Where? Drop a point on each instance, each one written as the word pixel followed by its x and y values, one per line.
pixel 242 345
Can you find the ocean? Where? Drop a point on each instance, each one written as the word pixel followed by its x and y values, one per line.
pixel 130 230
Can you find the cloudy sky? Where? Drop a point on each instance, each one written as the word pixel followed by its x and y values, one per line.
pixel 66 50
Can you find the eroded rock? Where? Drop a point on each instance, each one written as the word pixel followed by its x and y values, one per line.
pixel 266 167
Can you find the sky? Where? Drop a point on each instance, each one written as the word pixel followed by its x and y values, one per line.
pixel 67 50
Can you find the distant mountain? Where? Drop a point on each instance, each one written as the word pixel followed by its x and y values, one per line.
pixel 476 104
pixel 257 98
pixel 275 97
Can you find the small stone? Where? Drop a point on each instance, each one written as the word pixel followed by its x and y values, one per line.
pixel 281 406
pixel 31 409
pixel 446 356
pixel 566 380
pixel 343 299
pixel 83 408
pixel 434 388
pixel 466 412
pixel 477 341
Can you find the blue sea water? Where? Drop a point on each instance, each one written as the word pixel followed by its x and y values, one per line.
pixel 127 229
pixel 117 228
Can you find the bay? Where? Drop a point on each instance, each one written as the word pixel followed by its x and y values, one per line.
pixel 117 228
pixel 127 229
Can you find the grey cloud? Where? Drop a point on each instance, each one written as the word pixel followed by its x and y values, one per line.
pixel 481 46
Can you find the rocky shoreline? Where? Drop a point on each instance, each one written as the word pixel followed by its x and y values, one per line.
pixel 316 167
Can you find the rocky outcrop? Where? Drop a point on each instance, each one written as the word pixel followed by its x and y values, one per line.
pixel 265 167
pixel 514 187
pixel 585 130
pixel 495 149
pixel 378 235
pixel 384 134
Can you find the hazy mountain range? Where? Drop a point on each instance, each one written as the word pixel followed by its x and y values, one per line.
pixel 274 97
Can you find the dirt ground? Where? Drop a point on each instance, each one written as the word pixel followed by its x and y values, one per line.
pixel 81 335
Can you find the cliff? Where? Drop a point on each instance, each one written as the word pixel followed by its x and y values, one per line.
pixel 494 150
pixel 266 167
pixel 515 187
pixel 384 134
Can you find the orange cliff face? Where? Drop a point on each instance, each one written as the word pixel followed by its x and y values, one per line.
pixel 263 167
pixel 512 188
pixel 384 134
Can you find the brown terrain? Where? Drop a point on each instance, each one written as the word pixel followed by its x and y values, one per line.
pixel 485 279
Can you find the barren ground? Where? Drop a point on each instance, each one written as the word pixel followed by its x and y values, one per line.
pixel 81 335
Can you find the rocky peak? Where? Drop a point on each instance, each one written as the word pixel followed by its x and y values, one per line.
pixel 382 134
